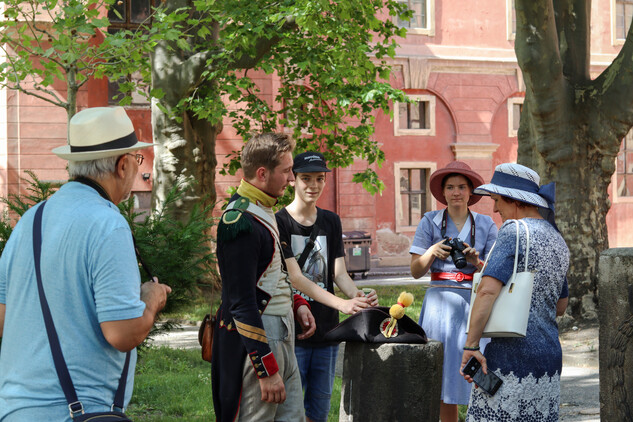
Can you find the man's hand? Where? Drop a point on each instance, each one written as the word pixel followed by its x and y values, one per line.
pixel 124 335
pixel 372 296
pixel 273 389
pixel 353 305
pixel 154 294
pixel 307 322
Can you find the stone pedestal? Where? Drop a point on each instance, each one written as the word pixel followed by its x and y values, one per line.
pixel 615 286
pixel 391 382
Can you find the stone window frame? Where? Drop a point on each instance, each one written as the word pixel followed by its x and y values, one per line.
pixel 430 20
pixel 614 36
pixel 129 23
pixel 430 167
pixel 617 198
pixel 512 102
pixel 430 131
pixel 511 24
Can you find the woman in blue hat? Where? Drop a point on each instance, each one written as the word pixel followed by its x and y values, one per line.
pixel 530 366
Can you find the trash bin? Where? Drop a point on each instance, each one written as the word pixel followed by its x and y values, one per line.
pixel 357 250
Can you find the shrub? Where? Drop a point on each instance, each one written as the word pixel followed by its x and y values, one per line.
pixel 18 204
pixel 179 253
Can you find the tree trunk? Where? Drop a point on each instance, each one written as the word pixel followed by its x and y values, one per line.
pixel 185 154
pixel 72 89
pixel 571 129
pixel 581 204
pixel 185 151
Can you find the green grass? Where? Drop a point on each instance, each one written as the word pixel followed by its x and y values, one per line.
pixel 171 385
pixel 197 309
pixel 335 401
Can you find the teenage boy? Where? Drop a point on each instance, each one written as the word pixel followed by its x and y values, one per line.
pixel 312 242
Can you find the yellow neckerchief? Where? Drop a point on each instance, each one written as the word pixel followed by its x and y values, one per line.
pixel 255 195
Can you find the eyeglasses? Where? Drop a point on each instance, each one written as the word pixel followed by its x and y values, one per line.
pixel 138 157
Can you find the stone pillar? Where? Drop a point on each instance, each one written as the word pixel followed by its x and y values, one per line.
pixel 615 286
pixel 391 382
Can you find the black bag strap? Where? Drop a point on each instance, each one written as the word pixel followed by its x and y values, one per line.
pixel 138 257
pixel 309 246
pixel 74 405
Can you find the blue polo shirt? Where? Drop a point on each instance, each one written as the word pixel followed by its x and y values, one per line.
pixel 90 275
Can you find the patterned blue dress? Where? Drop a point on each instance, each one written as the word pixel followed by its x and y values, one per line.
pixel 445 310
pixel 530 367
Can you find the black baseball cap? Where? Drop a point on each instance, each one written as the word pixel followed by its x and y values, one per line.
pixel 310 162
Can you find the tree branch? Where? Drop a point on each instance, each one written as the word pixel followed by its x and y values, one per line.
pixel 263 46
pixel 573 18
pixel 178 75
pixel 613 90
pixel 55 100
pixel 547 99
pixel 536 44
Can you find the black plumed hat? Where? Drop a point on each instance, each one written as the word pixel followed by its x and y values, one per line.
pixel 367 326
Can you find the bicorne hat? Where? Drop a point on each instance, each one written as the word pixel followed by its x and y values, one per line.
pixel 99 132
pixel 367 326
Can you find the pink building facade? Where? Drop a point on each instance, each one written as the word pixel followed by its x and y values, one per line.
pixel 457 63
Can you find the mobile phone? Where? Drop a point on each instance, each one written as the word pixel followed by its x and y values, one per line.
pixel 489 382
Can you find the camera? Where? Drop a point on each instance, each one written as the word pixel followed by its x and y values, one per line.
pixel 457 251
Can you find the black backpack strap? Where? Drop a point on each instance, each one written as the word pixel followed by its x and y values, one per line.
pixel 74 405
pixel 309 246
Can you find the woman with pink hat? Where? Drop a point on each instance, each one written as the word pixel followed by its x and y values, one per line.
pixel 450 243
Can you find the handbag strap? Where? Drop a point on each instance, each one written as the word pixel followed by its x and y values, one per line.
pixel 74 405
pixel 527 245
pixel 516 252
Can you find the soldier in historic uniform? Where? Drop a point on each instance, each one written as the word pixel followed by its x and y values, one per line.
pixel 254 369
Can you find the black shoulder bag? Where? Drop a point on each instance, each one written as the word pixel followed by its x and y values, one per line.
pixel 74 405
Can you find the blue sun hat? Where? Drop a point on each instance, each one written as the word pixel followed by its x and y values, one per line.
pixel 522 184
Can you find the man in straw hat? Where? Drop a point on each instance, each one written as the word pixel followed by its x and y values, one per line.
pixel 90 279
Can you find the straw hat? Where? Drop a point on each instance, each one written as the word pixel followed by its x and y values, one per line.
pixel 99 132
pixel 521 183
pixel 458 167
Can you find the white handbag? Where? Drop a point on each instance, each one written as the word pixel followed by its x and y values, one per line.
pixel 511 309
